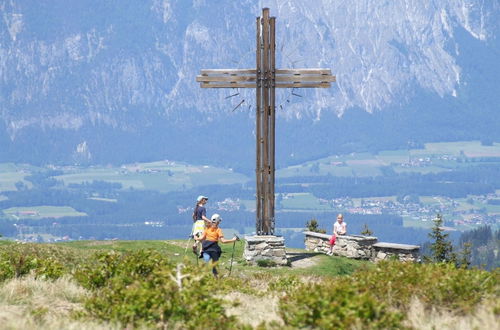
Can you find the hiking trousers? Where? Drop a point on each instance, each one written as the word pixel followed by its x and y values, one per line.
pixel 214 256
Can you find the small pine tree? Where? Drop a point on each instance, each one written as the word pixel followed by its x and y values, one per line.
pixel 441 248
pixel 312 225
pixel 366 231
pixel 465 257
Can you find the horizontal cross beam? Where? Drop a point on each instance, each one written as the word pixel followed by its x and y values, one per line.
pixel 247 78
pixel 253 71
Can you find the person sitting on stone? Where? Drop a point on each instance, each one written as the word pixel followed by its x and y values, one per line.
pixel 339 228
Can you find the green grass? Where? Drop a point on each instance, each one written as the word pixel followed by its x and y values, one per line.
pixel 393 156
pixel 159 176
pixel 417 223
pixel 301 201
pixel 464 205
pixel 108 175
pixel 175 249
pixel 42 212
pixel 122 246
pixel 492 208
pixel 11 173
pixel 468 148
pixel 421 170
pixel 325 266
pixel 11 167
pixel 360 165
pixel 102 199
pixel 433 200
pixel 366 164
pixel 9 179
pixel 365 170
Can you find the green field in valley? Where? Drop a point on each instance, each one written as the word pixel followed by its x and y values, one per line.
pixel 167 176
pixel 470 149
pixel 163 176
pixel 10 174
pixel 434 158
pixel 38 212
pixel 304 201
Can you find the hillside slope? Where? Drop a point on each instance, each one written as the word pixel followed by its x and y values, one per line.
pixel 113 284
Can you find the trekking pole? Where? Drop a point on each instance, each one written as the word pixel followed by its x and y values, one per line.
pixel 232 255
pixel 187 245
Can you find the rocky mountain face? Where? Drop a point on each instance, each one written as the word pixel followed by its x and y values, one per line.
pixel 114 81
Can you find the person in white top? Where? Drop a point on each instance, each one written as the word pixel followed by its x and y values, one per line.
pixel 339 228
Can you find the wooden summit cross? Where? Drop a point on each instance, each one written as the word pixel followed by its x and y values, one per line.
pixel 265 78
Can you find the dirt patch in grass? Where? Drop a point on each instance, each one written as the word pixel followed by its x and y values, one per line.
pixel 97 243
pixel 182 244
pixel 253 310
pixel 484 317
pixel 303 260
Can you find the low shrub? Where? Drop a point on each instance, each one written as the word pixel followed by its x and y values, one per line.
pixel 103 266
pixel 334 304
pixel 266 263
pixel 439 284
pixel 45 261
pixel 145 288
pixel 380 296
pixel 285 284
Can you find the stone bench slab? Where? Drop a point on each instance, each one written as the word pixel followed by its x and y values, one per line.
pixel 395 246
pixel 360 247
pixel 348 237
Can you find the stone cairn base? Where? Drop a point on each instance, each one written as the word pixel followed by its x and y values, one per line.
pixel 265 248
pixel 361 247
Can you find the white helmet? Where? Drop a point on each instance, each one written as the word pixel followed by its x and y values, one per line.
pixel 201 197
pixel 215 218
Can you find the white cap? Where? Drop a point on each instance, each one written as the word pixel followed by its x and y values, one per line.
pixel 215 218
pixel 201 197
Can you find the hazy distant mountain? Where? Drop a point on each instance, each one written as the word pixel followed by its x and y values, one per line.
pixel 114 81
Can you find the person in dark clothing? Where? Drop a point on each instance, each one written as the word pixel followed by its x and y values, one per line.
pixel 210 238
pixel 200 212
pixel 200 220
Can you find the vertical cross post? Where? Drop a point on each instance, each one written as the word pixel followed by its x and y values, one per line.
pixel 265 78
pixel 265 95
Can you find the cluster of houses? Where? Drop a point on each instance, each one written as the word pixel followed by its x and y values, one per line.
pixel 425 212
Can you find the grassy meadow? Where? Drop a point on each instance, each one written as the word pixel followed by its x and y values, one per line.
pixel 444 155
pixel 162 176
pixel 167 175
pixel 160 284
pixel 170 176
pixel 10 174
pixel 39 212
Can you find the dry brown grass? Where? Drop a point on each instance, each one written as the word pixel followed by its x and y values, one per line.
pixel 483 318
pixel 28 303
pixel 253 310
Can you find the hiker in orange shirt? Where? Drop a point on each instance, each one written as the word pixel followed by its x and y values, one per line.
pixel 210 239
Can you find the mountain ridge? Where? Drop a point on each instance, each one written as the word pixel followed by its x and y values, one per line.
pixel 94 69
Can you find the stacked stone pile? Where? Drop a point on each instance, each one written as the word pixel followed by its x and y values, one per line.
pixel 361 247
pixel 265 247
